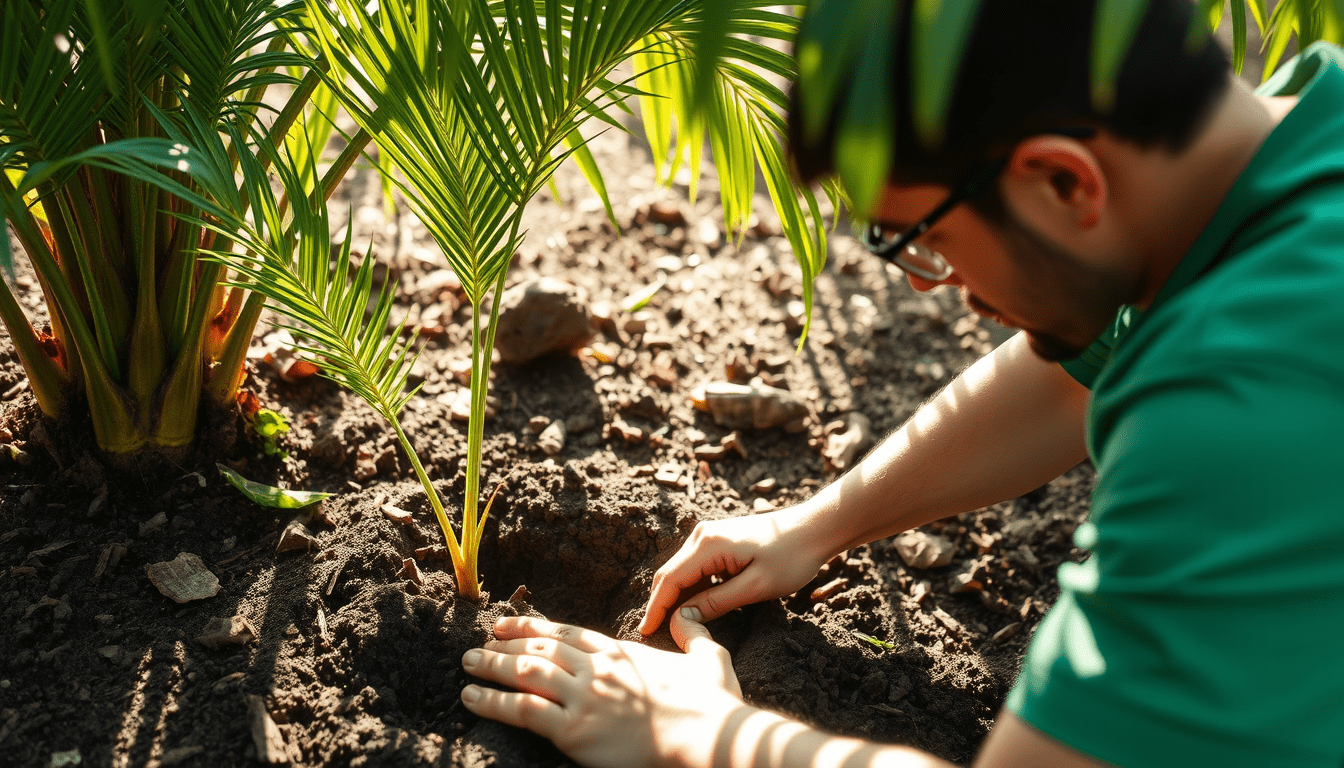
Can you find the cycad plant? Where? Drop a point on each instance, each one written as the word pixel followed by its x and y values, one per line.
pixel 106 202
pixel 476 103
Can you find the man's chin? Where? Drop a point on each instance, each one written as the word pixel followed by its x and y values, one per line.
pixel 1051 348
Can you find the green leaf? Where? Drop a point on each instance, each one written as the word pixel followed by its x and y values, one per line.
pixel 641 298
pixel 1113 33
pixel 1238 35
pixel 938 40
pixel 270 496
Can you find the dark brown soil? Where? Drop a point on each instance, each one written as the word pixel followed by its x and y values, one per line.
pixel 358 665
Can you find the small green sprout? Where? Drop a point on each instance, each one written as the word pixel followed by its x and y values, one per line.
pixel 270 425
pixel 883 644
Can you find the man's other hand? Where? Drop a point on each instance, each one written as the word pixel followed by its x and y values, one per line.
pixel 604 702
pixel 761 557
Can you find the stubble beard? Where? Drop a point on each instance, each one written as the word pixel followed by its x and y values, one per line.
pixel 1049 275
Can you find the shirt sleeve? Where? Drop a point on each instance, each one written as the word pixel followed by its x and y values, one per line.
pixel 1204 628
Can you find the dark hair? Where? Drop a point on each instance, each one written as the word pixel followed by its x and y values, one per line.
pixel 1026 70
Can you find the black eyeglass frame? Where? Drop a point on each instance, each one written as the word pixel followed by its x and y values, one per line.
pixel 893 251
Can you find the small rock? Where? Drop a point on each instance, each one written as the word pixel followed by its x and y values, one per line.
pixel 923 550
pixel 631 435
pixel 844 445
pixel 637 323
pixel 768 485
pixel 439 283
pixel 671 476
pixel 290 367
pixel 411 570
pixel 733 442
pixel 668 214
pixel 552 439
pixel 604 315
pixel 1007 632
pixel 266 737
pixel 536 424
pixel 710 452
pixel 297 536
pixel 365 467
pixel 759 505
pixel 66 759
pixel 110 652
pixel 397 515
pixel 183 579
pixel 708 234
pixel 220 632
pixel 153 524
pixel 752 406
pixel 828 589
pixel 535 318
pixel 460 410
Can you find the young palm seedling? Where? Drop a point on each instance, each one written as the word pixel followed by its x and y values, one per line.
pixel 477 103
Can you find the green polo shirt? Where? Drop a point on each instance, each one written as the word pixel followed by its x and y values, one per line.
pixel 1207 627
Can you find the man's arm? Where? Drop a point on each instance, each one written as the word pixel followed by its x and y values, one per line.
pixel 1011 423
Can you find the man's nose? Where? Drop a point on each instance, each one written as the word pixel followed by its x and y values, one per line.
pixel 922 285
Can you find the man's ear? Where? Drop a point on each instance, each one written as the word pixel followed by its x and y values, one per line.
pixel 1058 179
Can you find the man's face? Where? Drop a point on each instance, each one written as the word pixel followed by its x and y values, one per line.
pixel 1011 274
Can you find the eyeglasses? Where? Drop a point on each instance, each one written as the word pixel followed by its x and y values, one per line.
pixel 919 259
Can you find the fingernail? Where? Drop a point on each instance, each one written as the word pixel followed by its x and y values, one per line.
pixel 690 612
pixel 472 658
pixel 471 694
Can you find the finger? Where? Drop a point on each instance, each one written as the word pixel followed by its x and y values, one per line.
pixel 530 674
pixel 693 638
pixel 516 627
pixel 563 655
pixel 523 710
pixel 720 599
pixel 655 615
pixel 681 575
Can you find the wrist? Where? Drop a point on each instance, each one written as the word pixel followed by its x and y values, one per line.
pixel 700 735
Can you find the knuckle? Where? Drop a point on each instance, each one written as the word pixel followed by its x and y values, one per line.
pixel 538 645
pixel 564 632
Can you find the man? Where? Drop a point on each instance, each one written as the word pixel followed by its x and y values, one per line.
pixel 1184 255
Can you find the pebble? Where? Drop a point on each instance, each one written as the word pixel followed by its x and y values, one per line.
pixel 542 316
pixel 757 405
pixel 537 424
pixel 759 505
pixel 220 632
pixel 671 476
pixel 707 232
pixel 153 524
pixel 923 550
pixel 66 759
pixel 1007 632
pixel 768 485
pixel 397 515
pixel 844 444
pixel 411 570
pixel 829 588
pixel 297 536
pixel 710 452
pixel 183 579
pixel 552 438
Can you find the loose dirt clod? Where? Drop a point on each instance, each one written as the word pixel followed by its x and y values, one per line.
pixel 183 579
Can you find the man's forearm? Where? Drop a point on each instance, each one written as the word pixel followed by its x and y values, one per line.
pixel 754 738
pixel 1006 426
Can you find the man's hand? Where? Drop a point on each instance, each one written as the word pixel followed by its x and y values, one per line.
pixel 607 703
pixel 763 556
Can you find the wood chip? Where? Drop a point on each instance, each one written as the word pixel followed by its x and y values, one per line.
pixel 266 734
pixel 297 537
pixel 1007 632
pixel 520 594
pixel 322 626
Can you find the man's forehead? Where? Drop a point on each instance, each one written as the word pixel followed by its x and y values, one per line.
pixel 901 206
